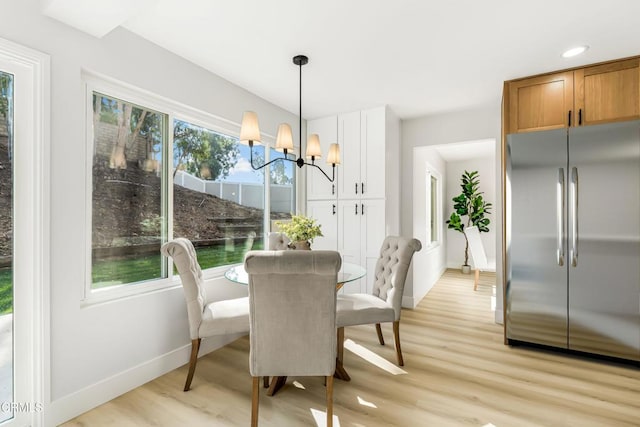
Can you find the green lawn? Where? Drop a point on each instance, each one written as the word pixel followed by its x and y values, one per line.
pixel 115 272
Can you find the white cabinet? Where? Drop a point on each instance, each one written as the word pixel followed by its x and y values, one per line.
pixel 325 212
pixel 361 230
pixel 367 199
pixel 362 137
pixel 318 186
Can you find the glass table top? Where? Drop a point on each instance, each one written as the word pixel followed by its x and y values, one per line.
pixel 348 272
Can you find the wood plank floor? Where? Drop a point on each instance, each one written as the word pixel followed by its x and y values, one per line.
pixel 457 373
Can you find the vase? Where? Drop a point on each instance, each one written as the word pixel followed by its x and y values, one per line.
pixel 466 269
pixel 303 245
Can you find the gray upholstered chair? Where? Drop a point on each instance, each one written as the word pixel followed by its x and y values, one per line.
pixel 206 319
pixel 277 241
pixel 385 303
pixel 292 300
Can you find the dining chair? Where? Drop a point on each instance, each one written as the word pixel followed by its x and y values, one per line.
pixel 385 302
pixel 478 254
pixel 206 318
pixel 277 241
pixel 292 312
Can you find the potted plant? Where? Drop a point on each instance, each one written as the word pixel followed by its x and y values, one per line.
pixel 301 230
pixel 469 204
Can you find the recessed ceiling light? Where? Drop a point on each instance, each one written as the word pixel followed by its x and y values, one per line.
pixel 575 51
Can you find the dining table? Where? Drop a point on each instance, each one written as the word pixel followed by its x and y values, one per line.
pixel 348 273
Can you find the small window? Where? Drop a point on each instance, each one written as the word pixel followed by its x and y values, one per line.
pixel 433 206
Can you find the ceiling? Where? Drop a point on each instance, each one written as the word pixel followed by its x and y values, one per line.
pixel 420 57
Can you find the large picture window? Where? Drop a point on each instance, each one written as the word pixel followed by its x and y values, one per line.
pixel 157 176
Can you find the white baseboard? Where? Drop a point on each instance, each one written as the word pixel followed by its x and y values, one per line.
pixel 81 401
pixel 413 301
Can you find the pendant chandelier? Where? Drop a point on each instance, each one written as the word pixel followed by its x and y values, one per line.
pixel 250 134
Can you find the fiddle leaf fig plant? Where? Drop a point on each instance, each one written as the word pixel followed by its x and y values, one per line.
pixel 469 204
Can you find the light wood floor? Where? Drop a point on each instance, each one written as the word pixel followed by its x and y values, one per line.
pixel 458 373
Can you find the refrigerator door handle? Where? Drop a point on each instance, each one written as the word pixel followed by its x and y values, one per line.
pixel 574 216
pixel 560 231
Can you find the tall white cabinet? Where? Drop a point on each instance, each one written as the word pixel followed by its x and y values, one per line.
pixel 364 207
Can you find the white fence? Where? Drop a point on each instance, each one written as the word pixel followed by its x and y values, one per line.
pixel 242 193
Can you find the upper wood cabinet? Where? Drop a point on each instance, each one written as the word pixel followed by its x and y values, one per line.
pixel 608 92
pixel 601 93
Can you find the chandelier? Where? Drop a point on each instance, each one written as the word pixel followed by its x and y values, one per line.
pixel 250 134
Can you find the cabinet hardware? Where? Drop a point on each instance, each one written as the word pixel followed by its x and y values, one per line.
pixel 356 188
pixel 333 210
pixel 356 209
pixel 362 188
pixel 580 117
pixel 362 209
pixel 333 189
pixel 569 118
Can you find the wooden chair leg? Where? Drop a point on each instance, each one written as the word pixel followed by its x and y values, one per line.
pixel 195 346
pixel 396 334
pixel 265 381
pixel 379 331
pixel 475 283
pixel 329 380
pixel 255 401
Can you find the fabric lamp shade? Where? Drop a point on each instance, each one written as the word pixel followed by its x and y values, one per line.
pixel 284 139
pixel 249 131
pixel 313 146
pixel 333 157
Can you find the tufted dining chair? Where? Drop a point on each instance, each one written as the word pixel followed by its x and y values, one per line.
pixel 292 300
pixel 206 319
pixel 385 302
pixel 277 241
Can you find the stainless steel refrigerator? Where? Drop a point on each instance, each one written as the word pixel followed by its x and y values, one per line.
pixel 573 239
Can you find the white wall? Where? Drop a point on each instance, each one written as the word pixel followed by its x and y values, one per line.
pixel 100 351
pixel 469 125
pixel 430 262
pixel 486 168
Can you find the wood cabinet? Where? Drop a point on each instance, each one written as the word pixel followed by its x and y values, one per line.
pixel 607 92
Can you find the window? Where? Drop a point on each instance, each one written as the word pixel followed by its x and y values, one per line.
pixel 163 171
pixel 433 199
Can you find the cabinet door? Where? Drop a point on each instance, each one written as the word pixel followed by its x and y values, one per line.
pixel 372 153
pixel 318 186
pixel 349 238
pixel 372 220
pixel 540 103
pixel 325 212
pixel 349 171
pixel 608 92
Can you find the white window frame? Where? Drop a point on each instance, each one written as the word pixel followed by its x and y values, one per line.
pixel 31 361
pixel 95 82
pixel 431 172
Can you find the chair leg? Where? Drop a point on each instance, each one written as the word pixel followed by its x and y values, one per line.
pixel 265 381
pixel 329 380
pixel 255 401
pixel 475 283
pixel 396 334
pixel 195 346
pixel 379 331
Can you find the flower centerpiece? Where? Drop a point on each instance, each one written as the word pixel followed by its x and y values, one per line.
pixel 301 230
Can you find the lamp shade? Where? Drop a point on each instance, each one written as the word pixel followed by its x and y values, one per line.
pixel 284 139
pixel 313 146
pixel 333 157
pixel 249 131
